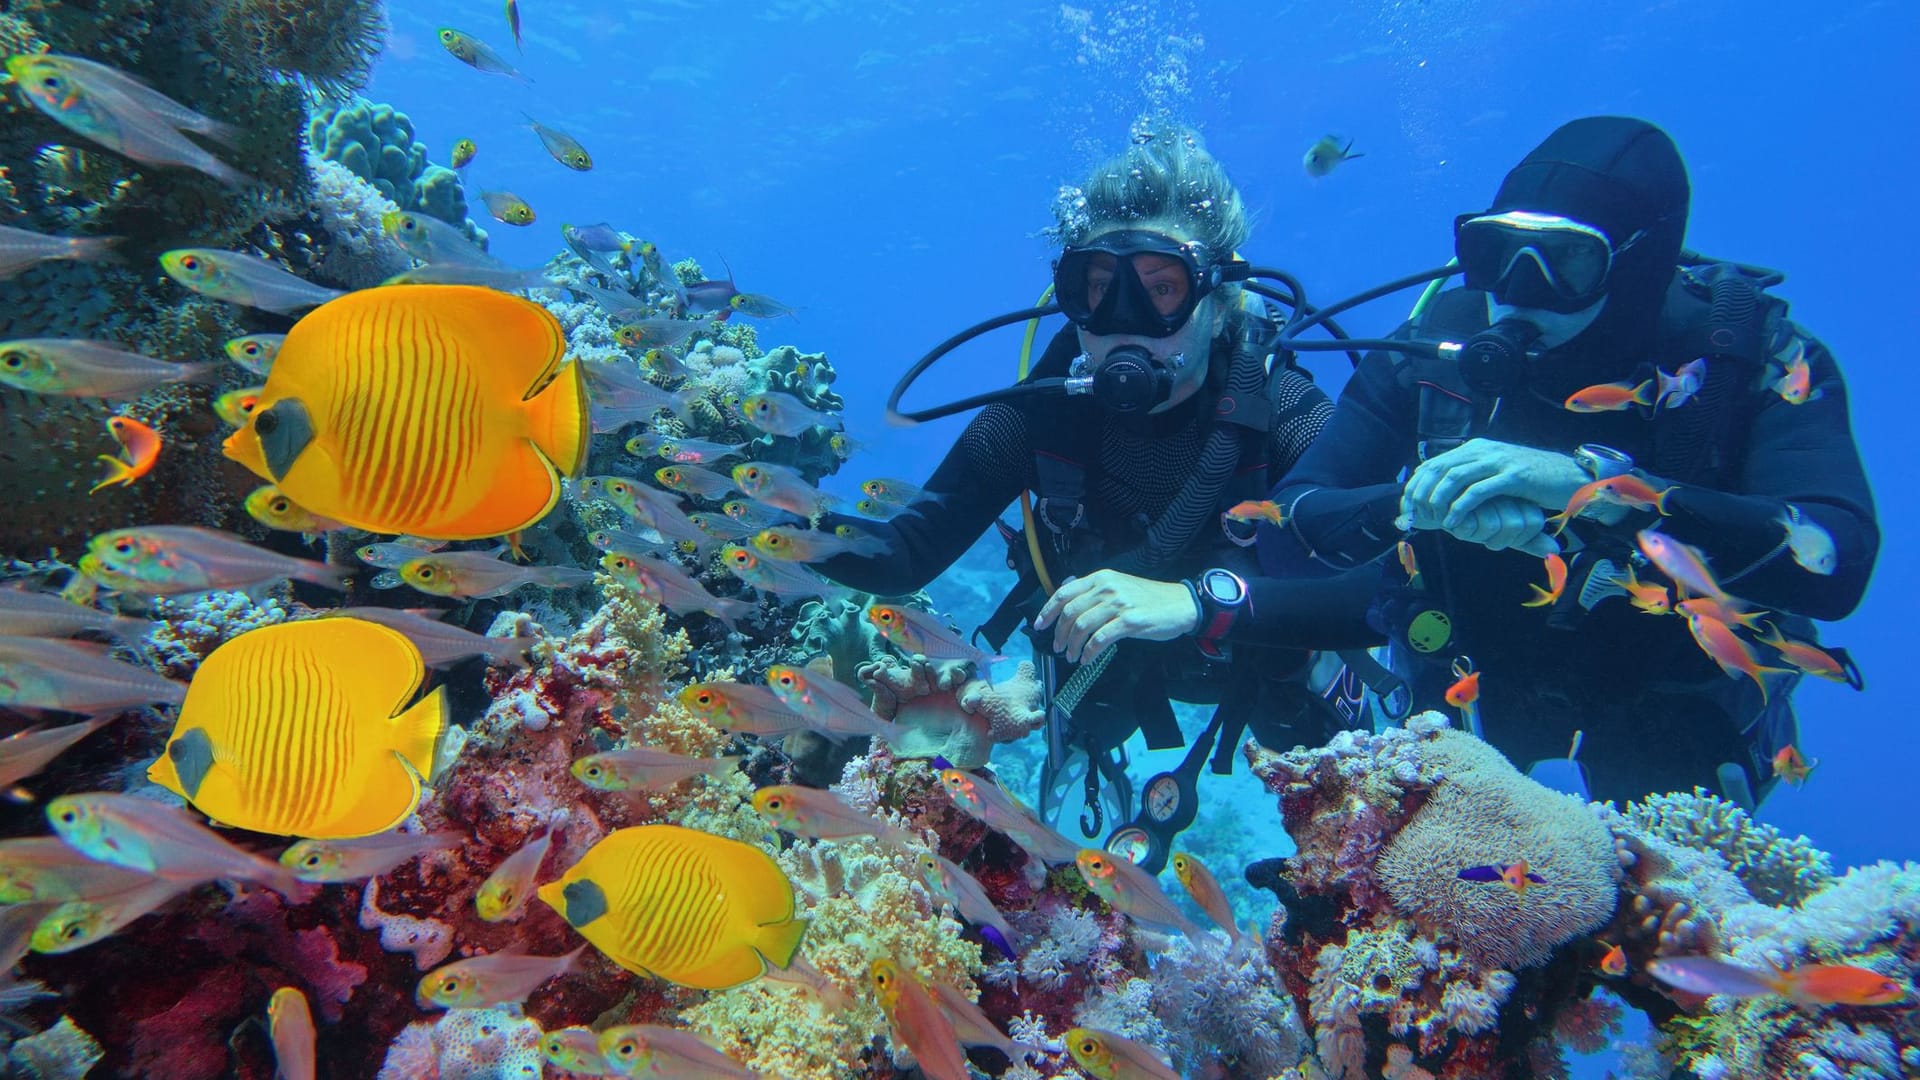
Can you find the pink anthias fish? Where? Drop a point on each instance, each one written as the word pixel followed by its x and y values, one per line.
pixel 441 644
pixel 363 857
pixel 504 894
pixel 989 802
pixel 171 560
pixel 1682 563
pixel 77 677
pixel 821 815
pixel 500 978
pixel 141 834
pixel 645 768
pixel 832 707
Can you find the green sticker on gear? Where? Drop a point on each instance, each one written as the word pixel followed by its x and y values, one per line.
pixel 1430 631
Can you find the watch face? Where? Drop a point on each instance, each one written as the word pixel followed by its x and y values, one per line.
pixel 1132 843
pixel 1223 587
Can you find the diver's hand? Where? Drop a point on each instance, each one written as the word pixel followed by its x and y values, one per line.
pixel 1497 524
pixel 1090 613
pixel 1450 486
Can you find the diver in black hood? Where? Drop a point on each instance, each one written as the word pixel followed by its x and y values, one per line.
pixel 1585 346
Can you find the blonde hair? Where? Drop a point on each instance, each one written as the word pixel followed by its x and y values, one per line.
pixel 1165 177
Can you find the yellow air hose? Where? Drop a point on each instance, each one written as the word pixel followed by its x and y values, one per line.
pixel 1026 497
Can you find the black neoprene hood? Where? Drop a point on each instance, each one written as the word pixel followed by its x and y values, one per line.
pixel 1622 176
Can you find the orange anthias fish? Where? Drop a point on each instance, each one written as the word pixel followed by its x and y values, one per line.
pixel 1683 563
pixel 1811 659
pixel 1654 599
pixel 1728 611
pixel 1465 689
pixel 1408 564
pixel 140 444
pixel 1623 490
pixel 1734 656
pixel 442 411
pixel 1788 765
pixel 1264 510
pixel 1614 963
pixel 1813 984
pixel 918 1022
pixel 1556 583
pixel 1795 384
pixel 1611 397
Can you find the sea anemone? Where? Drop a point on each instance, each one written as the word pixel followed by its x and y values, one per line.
pixel 329 45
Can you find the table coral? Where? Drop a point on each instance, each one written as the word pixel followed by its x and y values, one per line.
pixel 949 712
pixel 1776 869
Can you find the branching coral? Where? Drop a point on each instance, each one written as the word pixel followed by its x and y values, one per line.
pixel 1776 869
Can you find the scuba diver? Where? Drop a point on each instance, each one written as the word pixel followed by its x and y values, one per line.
pixel 1587 345
pixel 1145 420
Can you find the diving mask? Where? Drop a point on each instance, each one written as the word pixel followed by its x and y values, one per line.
pixel 1137 282
pixel 1530 260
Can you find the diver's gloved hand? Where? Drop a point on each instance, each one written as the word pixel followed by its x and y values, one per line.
pixel 1498 524
pixel 1450 486
pixel 1090 613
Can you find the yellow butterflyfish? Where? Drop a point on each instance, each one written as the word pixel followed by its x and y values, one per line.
pixel 440 411
pixel 304 729
pixel 687 906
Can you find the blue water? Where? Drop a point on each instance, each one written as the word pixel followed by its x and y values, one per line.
pixel 886 167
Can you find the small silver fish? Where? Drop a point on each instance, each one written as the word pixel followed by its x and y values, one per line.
pixel 694 480
pixel 475 575
pixel 600 237
pixel 120 113
pixel 431 240
pixel 651 1050
pixel 615 303
pixel 1326 155
pixel 26 753
pixel 141 834
pixel 593 258
pixel 247 280
pixel 720 526
pixel 672 588
pixel 78 677
pixel 645 768
pixel 505 892
pixel 72 367
pixel 22 248
pixel 629 541
pixel 507 208
pixel 784 414
pixel 758 515
pixel 821 815
pixel 957 887
pixel 831 707
pixel 495 979
pixel 781 486
pixel 332 861
pixel 655 333
pixel 693 451
pixel 499 278
pixel 565 148
pixel 256 352
pixel 25 613
pixel 477 54
pixel 169 560
pixel 441 644
pixel 757 306
pixel 394 554
pixel 785 580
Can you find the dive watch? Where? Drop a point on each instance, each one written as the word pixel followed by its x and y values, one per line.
pixel 1221 595
pixel 1602 462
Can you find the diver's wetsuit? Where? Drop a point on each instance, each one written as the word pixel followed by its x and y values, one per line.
pixel 1656 712
pixel 1142 464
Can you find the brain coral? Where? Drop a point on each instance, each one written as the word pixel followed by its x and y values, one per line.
pixel 1483 811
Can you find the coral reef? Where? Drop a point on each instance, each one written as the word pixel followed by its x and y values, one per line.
pixel 375 142
pixel 1775 869
pixel 330 46
pixel 949 712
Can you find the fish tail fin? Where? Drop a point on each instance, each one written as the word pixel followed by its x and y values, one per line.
pixel 1556 525
pixel 91 248
pixel 118 472
pixel 1541 597
pixel 417 731
pixel 1660 501
pixel 557 419
pixel 728 610
pixel 323 575
pixel 780 941
pixel 1644 394
pixel 1759 672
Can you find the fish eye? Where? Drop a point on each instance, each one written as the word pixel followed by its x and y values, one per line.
pixel 68 817
pixel 311 861
pixel 190 262
pixel 14 360
pixel 123 547
pixel 424 573
pixel 1088 1046
pixel 279 506
pixel 70 931
pixel 51 82
pixel 449 986
pixel 593 770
